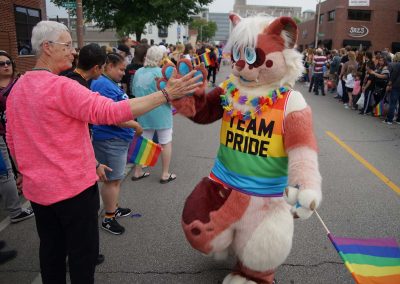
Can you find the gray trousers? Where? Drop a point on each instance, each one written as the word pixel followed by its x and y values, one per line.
pixel 8 186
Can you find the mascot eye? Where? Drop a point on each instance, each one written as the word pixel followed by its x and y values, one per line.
pixel 236 53
pixel 250 55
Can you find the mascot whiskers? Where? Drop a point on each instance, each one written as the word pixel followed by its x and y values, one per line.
pixel 266 171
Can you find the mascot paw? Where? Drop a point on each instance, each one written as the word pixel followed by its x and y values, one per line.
pixel 304 201
pixel 236 279
pixel 185 105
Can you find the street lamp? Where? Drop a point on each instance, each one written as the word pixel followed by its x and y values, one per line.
pixel 318 19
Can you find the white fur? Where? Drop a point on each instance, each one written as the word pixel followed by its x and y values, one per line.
pixel 296 102
pixel 291 195
pixel 270 243
pixel 294 64
pixel 236 279
pixel 307 196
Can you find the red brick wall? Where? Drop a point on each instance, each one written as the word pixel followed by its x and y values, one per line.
pixel 383 28
pixel 8 37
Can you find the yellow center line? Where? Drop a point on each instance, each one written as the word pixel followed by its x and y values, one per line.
pixel 370 167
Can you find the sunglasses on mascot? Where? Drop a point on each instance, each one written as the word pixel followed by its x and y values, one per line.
pixel 4 63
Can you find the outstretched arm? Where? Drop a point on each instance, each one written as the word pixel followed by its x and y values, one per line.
pixel 208 107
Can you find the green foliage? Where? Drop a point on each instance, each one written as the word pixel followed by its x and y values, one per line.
pixel 205 29
pixel 297 20
pixel 130 16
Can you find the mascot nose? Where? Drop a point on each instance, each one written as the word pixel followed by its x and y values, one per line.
pixel 240 65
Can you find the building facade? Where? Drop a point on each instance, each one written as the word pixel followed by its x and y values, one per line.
pixel 223 26
pixel 240 7
pixel 17 19
pixel 366 24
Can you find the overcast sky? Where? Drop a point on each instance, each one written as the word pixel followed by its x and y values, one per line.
pixel 221 6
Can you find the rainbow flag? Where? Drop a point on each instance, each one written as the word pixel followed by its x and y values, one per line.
pixel 143 151
pixel 378 109
pixel 205 57
pixel 370 261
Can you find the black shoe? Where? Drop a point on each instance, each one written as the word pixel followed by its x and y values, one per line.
pixel 111 225
pixel 25 214
pixel 316 94
pixel 7 255
pixel 100 259
pixel 323 94
pixel 122 212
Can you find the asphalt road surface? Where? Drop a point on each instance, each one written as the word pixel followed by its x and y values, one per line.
pixel 360 199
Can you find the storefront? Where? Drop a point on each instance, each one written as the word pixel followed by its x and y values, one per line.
pixel 362 24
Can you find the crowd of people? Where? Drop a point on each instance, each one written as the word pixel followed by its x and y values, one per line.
pixel 57 167
pixel 362 80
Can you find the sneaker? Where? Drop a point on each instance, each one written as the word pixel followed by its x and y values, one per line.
pixel 122 212
pixel 25 214
pixel 397 121
pixel 111 225
pixel 388 122
pixel 346 106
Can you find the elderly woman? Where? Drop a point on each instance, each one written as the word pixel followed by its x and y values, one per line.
pixel 47 122
pixel 159 120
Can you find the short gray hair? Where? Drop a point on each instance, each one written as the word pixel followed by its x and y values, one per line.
pixel 153 56
pixel 46 31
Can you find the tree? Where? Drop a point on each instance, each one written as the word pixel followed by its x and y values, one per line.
pixel 205 29
pixel 297 20
pixel 131 16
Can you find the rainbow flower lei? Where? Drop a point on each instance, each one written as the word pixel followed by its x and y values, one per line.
pixel 260 104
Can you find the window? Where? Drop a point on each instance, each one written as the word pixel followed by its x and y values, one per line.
pixel 359 15
pixel 398 17
pixel 331 15
pixel 163 31
pixel 25 20
pixel 321 18
pixel 150 29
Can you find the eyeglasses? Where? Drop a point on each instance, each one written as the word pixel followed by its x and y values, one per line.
pixel 66 44
pixel 4 63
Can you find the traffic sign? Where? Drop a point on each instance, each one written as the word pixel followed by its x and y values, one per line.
pixel 69 5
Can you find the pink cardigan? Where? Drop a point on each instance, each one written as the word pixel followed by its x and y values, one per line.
pixel 47 133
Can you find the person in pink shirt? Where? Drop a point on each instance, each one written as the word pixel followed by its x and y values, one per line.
pixel 47 122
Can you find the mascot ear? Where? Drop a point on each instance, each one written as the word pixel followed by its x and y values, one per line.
pixel 286 25
pixel 235 18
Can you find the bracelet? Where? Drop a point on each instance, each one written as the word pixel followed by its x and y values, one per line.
pixel 166 95
pixel 97 165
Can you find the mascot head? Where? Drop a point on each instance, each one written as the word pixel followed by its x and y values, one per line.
pixel 262 51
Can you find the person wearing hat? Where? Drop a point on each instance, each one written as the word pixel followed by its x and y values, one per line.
pixel 125 52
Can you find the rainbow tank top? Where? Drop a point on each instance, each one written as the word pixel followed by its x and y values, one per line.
pixel 251 157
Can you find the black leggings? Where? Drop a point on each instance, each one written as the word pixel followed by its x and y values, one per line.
pixel 69 228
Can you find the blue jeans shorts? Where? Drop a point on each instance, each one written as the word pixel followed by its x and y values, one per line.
pixel 112 153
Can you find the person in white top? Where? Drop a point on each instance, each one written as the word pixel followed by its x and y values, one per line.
pixel 349 79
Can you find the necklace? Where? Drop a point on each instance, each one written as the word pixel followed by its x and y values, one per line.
pixel 41 69
pixel 259 104
pixel 80 73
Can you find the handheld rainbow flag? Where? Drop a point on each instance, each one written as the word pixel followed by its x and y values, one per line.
pixel 378 109
pixel 143 151
pixel 370 261
pixel 205 57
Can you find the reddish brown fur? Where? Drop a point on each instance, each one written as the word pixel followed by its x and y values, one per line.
pixel 298 130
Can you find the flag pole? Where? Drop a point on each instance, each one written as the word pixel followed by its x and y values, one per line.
pixel 322 222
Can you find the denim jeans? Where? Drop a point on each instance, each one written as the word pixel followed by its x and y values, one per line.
pixel 319 83
pixel 394 99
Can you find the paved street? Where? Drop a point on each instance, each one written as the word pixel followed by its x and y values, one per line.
pixel 356 203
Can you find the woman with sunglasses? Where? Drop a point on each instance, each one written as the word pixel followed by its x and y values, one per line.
pixel 9 185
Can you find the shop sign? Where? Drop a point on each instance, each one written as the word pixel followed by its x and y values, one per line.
pixel 353 3
pixel 360 31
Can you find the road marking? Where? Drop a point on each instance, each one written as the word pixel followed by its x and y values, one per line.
pixel 370 167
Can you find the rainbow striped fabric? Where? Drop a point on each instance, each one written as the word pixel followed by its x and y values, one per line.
pixel 370 261
pixel 378 109
pixel 143 151
pixel 205 57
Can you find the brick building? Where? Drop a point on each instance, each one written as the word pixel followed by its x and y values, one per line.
pixel 17 18
pixel 369 24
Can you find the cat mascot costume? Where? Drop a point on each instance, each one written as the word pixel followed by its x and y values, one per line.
pixel 266 171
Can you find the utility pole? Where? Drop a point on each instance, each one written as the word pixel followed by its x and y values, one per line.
pixel 79 23
pixel 318 19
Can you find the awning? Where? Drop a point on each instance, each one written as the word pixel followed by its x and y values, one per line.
pixel 357 43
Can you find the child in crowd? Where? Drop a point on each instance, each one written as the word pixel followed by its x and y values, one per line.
pixel 350 78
